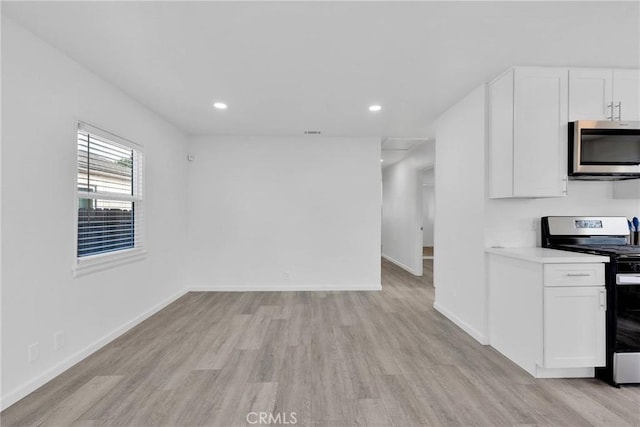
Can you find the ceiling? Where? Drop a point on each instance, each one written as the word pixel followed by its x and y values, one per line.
pixel 287 67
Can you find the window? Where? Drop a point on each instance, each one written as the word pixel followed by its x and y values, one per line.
pixel 110 216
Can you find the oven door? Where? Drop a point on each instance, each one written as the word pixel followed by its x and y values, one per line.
pixel 604 148
pixel 627 313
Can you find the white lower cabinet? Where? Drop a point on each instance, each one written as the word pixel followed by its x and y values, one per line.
pixel 548 316
pixel 574 326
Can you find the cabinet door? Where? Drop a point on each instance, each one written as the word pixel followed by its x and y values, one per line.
pixel 540 132
pixel 626 94
pixel 574 327
pixel 590 94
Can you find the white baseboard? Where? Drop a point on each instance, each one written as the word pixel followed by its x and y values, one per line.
pixel 282 288
pixel 22 391
pixel 475 334
pixel 401 265
pixel 564 372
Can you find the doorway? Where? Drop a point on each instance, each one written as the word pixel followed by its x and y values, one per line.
pixel 427 181
pixel 402 212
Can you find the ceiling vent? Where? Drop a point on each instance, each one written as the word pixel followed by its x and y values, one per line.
pixel 312 132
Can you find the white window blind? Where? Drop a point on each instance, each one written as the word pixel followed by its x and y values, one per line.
pixel 110 188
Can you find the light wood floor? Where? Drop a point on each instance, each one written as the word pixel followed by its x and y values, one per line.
pixel 334 358
pixel 427 251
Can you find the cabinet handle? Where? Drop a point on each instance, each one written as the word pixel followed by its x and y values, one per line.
pixel 610 107
pixel 619 106
pixel 603 300
pixel 578 274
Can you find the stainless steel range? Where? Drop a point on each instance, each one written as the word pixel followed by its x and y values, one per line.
pixel 608 236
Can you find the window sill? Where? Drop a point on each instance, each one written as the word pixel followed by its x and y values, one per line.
pixel 95 263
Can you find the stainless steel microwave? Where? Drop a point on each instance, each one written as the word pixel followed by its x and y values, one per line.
pixel 604 150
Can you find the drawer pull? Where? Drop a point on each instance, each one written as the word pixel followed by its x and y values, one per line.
pixel 578 274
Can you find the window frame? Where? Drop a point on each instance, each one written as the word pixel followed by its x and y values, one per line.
pixel 106 260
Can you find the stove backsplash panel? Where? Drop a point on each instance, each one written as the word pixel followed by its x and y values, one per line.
pixel 516 222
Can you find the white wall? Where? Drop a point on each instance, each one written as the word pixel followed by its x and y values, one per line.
pixel 284 213
pixel 460 194
pixel 516 222
pixel 402 208
pixel 44 94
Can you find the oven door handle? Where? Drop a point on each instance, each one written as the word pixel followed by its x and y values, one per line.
pixel 627 279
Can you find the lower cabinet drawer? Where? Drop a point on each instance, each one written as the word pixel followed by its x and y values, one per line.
pixel 574 274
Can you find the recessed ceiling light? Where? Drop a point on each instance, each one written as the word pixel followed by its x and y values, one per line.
pixel 381 160
pixel 375 108
pixel 220 105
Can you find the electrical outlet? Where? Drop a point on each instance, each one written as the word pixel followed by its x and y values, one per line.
pixel 58 340
pixel 34 352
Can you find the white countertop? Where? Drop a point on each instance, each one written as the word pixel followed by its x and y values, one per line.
pixel 547 256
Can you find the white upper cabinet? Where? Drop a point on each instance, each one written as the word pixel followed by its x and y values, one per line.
pixel 590 94
pixel 604 94
pixel 626 94
pixel 528 126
